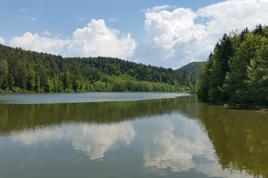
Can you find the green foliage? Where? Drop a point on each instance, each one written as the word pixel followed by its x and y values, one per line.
pixel 3 73
pixel 27 71
pixel 188 74
pixel 237 70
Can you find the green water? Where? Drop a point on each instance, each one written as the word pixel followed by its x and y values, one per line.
pixel 175 137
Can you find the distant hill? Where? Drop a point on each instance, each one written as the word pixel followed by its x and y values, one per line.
pixel 28 71
pixel 188 74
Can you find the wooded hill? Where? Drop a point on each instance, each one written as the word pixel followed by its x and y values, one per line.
pixel 189 73
pixel 28 71
pixel 237 70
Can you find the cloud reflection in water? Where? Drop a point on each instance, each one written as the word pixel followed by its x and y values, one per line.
pixel 181 145
pixel 92 139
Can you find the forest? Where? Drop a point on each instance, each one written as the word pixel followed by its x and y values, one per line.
pixel 28 71
pixel 237 70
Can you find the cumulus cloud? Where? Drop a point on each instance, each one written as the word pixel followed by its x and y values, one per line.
pixel 96 39
pixel 158 8
pixel 167 32
pixel 2 40
pixel 34 41
pixel 224 17
pixel 182 35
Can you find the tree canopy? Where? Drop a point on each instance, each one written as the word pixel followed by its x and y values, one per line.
pixel 237 69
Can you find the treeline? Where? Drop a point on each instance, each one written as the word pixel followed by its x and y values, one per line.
pixel 28 71
pixel 237 70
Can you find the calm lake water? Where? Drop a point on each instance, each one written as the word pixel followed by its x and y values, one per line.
pixel 174 137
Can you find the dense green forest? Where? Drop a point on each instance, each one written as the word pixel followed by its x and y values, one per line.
pixel 28 71
pixel 237 70
pixel 189 73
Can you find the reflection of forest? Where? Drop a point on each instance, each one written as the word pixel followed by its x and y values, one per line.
pixel 240 138
pixel 19 117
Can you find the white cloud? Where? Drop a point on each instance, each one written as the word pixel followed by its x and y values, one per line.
pixel 158 8
pixel 2 40
pixel 234 14
pixel 167 32
pixel 183 35
pixel 96 39
pixel 39 43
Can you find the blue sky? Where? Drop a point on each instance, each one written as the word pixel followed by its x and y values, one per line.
pixel 61 16
pixel 161 32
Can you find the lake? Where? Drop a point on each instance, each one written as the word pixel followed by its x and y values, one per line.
pixel 129 135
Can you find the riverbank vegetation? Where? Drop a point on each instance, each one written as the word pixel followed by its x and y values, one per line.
pixel 237 71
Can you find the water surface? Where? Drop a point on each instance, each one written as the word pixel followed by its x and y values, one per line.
pixel 54 98
pixel 175 137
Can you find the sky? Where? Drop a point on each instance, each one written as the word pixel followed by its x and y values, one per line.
pixel 167 33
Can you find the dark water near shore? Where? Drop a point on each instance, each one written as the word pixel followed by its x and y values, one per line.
pixel 175 137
